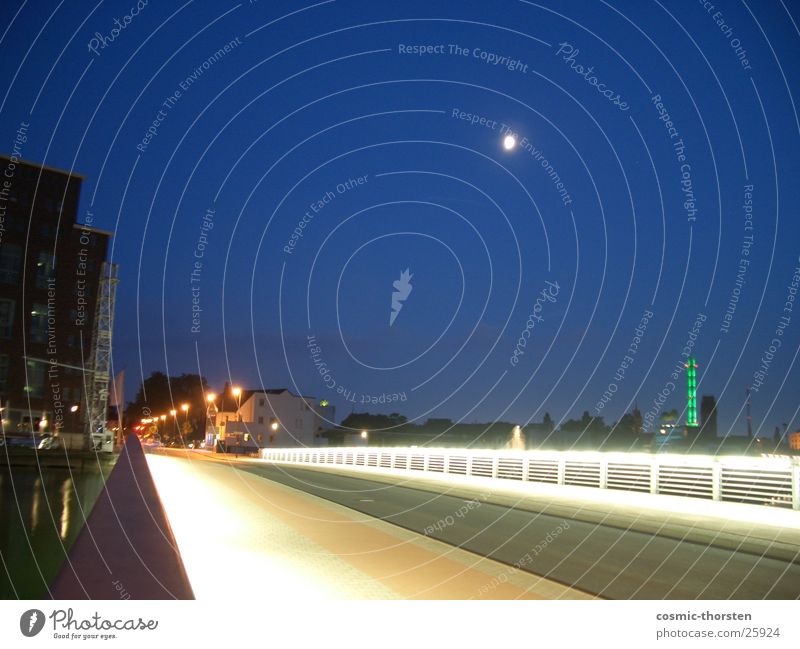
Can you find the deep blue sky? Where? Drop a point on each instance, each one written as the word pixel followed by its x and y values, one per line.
pixel 315 97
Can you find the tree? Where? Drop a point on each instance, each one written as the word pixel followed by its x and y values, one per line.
pixel 624 433
pixel 367 421
pixel 159 394
pixel 777 437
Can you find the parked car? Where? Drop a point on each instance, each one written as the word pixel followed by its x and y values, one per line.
pixel 49 442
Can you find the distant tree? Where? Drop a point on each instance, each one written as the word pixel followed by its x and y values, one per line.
pixel 624 433
pixel 669 416
pixel 367 421
pixel 777 437
pixel 159 394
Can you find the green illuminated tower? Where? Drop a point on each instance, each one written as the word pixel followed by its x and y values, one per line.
pixel 691 390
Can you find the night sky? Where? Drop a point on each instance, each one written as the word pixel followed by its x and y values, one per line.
pixel 653 188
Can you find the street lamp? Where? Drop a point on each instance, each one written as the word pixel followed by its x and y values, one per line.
pixel 364 435
pixel 174 414
pixel 237 392
pixel 185 408
pixel 211 398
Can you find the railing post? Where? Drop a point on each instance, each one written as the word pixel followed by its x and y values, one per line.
pixel 562 470
pixel 603 473
pixel 716 480
pixel 653 475
pixel 495 465
pixel 446 467
pixel 425 461
pixel 795 486
pixel 469 464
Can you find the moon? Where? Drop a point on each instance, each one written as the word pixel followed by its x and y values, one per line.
pixel 509 142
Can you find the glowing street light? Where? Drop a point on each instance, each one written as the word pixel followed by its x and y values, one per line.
pixel 74 409
pixel 237 392
pixel 364 434
pixel 211 421
pixel 274 425
pixel 509 142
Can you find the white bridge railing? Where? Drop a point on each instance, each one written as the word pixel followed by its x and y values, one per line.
pixel 773 481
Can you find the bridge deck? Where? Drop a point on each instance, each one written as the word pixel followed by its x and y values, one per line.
pixel 240 533
pixel 613 550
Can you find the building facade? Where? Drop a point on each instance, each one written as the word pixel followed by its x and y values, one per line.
pixel 49 277
pixel 274 418
pixel 708 418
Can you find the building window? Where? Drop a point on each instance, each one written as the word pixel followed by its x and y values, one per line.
pixel 3 372
pixel 6 318
pixel 261 402
pixel 39 323
pixel 36 372
pixel 44 269
pixel 260 420
pixel 10 263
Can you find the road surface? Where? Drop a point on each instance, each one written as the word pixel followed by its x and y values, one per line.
pixel 583 556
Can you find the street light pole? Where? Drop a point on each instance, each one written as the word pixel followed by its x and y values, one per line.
pixel 211 398
pixel 237 392
pixel 174 414
pixel 185 408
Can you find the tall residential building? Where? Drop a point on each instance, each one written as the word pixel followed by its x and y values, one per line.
pixel 708 418
pixel 49 276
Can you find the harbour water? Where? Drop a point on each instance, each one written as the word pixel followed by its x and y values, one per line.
pixel 42 510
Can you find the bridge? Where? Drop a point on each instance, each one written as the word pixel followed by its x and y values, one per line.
pixel 414 523
pixel 451 523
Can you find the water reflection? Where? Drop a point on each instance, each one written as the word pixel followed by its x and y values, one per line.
pixel 41 514
pixel 66 499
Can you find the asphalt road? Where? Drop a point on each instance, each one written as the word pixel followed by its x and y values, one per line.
pixel 608 561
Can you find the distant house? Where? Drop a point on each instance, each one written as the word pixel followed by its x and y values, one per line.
pixel 270 418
